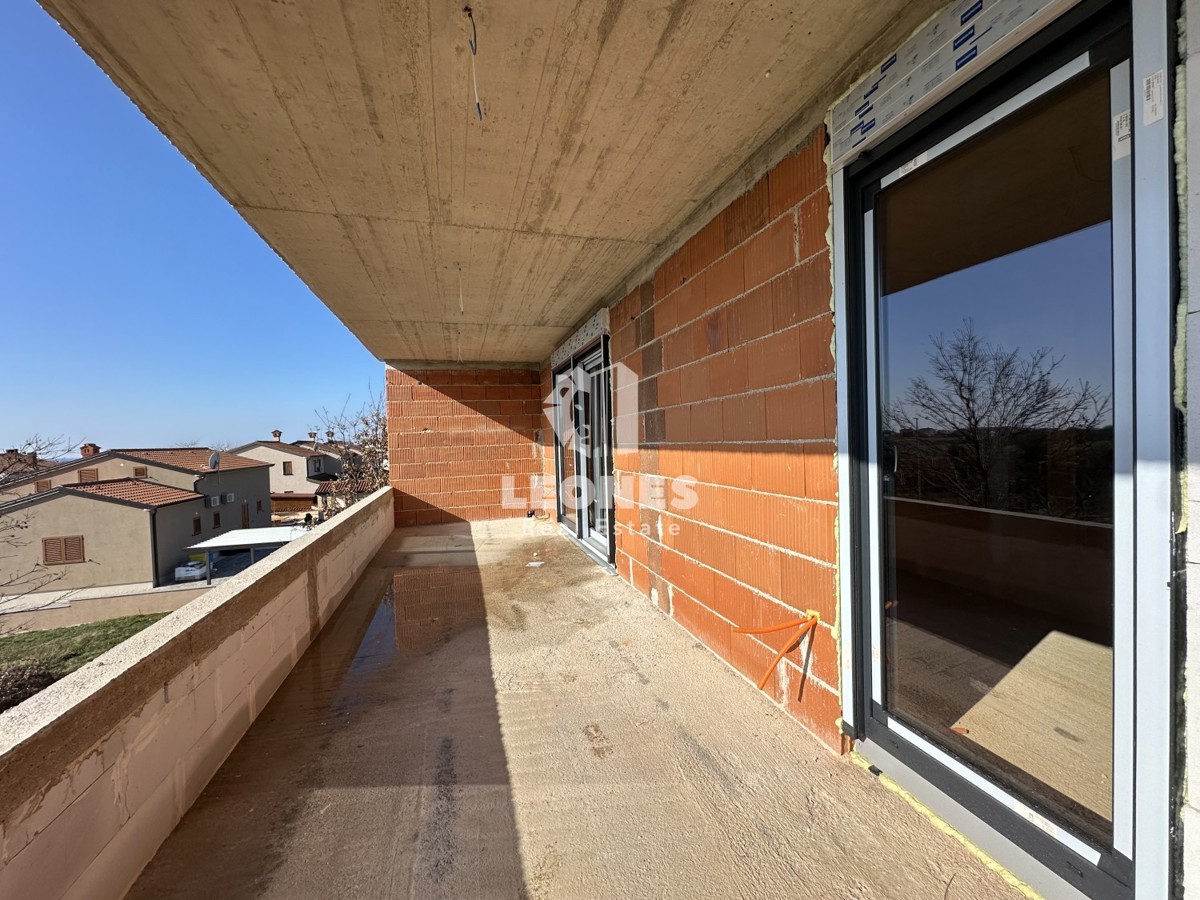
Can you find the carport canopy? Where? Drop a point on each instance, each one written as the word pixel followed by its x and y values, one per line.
pixel 249 538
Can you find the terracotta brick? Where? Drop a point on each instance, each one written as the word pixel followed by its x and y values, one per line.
pixel 706 421
pixel 817 654
pixel 747 214
pixel 728 373
pixel 457 439
pixel 758 565
pixel 725 279
pixel 814 224
pixel 813 706
pixel 715 334
pixel 770 252
pixel 805 584
pixel 751 317
pixel 752 658
pixel 803 293
pixel 775 360
pixel 796 413
pixel 719 550
pixel 798 175
pixel 669 387
pixel 779 470
pixel 820 471
pixel 706 246
pixel 816 347
pixel 729 465
pixel 695 383
pixel 744 418
pixel 677 349
pixel 709 628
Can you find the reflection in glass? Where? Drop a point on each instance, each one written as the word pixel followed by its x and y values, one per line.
pixel 996 452
pixel 564 404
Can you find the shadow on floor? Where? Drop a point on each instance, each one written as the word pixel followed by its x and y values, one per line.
pixel 377 770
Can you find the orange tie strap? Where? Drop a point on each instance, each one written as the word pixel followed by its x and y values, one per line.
pixel 802 626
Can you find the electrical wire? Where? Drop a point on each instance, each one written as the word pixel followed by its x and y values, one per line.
pixel 803 626
pixel 473 43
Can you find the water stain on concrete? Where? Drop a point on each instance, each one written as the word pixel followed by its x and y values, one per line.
pixel 425 748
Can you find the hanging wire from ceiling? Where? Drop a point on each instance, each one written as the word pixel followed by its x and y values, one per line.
pixel 473 43
pixel 461 311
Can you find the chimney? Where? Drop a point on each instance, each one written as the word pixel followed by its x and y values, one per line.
pixel 88 449
pixel 277 434
pixel 312 436
pixel 329 435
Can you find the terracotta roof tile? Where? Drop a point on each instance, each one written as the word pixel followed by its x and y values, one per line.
pixel 134 490
pixel 194 459
pixel 289 448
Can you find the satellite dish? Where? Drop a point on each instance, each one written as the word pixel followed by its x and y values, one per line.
pixel 214 461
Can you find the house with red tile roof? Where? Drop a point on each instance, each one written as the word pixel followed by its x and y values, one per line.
pixel 297 470
pixel 125 516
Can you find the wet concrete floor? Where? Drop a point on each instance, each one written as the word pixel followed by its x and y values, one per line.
pixel 470 726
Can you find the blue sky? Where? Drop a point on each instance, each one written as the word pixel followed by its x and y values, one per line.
pixel 138 308
pixel 1056 294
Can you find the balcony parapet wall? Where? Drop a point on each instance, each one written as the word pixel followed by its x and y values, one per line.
pixel 97 770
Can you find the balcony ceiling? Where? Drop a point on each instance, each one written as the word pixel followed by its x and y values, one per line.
pixel 345 134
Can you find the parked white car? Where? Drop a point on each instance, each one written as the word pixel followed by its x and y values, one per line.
pixel 193 571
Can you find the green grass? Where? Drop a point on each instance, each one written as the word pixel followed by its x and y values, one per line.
pixel 49 655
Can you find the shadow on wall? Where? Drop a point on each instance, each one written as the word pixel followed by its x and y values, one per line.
pixel 379 763
pixel 464 444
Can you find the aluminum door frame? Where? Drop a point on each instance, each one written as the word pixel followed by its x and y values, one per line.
pixel 1145 624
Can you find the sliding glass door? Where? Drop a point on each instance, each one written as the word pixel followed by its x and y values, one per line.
pixel 998 491
pixel 584 429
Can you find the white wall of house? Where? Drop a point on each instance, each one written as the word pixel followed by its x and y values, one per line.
pixel 300 480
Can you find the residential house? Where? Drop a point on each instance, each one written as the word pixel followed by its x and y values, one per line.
pixel 16 463
pixel 74 512
pixel 118 531
pixel 296 470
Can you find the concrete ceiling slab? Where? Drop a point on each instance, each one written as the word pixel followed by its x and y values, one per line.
pixel 345 134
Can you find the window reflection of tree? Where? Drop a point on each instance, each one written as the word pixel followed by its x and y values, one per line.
pixel 994 428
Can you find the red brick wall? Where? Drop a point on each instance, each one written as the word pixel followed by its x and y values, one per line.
pixel 549 471
pixel 732 346
pixel 454 435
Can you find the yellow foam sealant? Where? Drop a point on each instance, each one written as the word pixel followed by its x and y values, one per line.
pixel 1009 878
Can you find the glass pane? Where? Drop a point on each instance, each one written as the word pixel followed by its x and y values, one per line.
pixel 996 452
pixel 564 400
pixel 600 450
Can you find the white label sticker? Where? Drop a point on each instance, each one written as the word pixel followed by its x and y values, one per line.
pixel 1122 135
pixel 1036 820
pixel 1153 98
pixel 914 163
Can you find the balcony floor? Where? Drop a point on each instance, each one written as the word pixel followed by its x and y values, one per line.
pixel 471 726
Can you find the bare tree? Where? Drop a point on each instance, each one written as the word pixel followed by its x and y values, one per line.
pixel 359 438
pixel 32 456
pixel 963 421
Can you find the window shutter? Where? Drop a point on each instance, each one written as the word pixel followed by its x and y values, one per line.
pixel 197 525
pixel 139 471
pixel 216 520
pixel 42 485
pixel 52 551
pixel 287 468
pixel 86 475
pixel 57 551
pixel 73 548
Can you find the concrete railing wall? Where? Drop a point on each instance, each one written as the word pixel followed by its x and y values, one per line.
pixel 97 770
